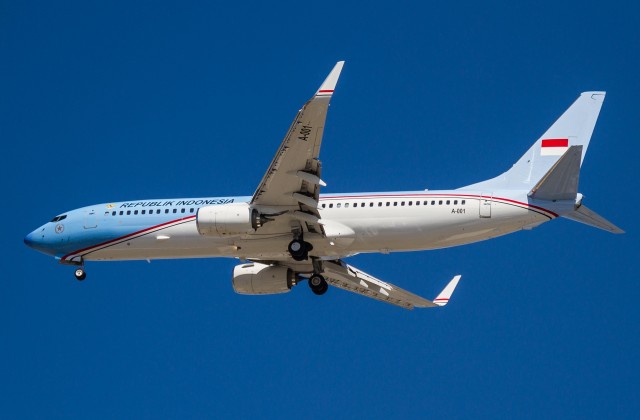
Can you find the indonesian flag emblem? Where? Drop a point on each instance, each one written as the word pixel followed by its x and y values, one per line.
pixel 554 147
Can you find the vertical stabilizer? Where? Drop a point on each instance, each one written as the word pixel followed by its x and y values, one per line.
pixel 573 128
pixel 561 181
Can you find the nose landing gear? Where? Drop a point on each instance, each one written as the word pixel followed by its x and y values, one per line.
pixel 80 274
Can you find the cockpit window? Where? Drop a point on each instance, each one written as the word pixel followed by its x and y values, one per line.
pixel 58 218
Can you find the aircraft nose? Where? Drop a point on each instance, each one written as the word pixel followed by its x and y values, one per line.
pixel 36 240
pixel 29 241
pixel 41 241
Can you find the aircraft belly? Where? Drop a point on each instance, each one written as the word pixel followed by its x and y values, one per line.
pixel 181 241
pixel 439 230
pixel 185 242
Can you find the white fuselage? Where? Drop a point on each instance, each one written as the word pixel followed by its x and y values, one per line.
pixel 289 231
pixel 354 223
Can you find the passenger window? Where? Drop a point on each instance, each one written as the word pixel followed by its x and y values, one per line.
pixel 331 205
pixel 448 201
pixel 388 204
pixel 402 204
pixel 143 211
pixel 121 212
pixel 463 202
pixel 379 203
pixel 455 202
pixel 433 202
pixel 395 203
pixel 440 202
pixel 113 214
pixel 425 203
pixel 135 212
pixel 371 204
pixel 410 203
pixel 338 205
pixel 166 211
pixel 346 205
pixel 182 211
pixel 175 210
pixel 323 205
pixel 191 210
pixel 128 212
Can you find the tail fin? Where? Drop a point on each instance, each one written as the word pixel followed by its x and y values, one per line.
pixel 573 128
pixel 561 182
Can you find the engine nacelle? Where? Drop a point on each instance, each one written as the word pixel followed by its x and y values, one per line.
pixel 227 219
pixel 262 279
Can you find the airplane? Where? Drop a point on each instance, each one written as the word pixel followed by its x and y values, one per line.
pixel 287 232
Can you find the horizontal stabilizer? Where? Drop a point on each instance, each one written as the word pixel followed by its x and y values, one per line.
pixel 583 215
pixel 349 278
pixel 561 181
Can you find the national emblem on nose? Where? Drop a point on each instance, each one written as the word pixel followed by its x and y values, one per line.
pixel 59 228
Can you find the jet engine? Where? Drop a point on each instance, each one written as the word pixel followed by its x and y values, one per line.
pixel 228 219
pixel 262 279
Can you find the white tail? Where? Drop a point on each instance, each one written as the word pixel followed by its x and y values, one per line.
pixel 573 128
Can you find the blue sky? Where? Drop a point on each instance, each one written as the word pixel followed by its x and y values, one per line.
pixel 108 101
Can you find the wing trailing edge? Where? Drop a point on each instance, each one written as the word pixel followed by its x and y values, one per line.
pixel 349 278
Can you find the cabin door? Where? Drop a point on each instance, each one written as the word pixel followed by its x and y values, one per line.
pixel 90 219
pixel 485 205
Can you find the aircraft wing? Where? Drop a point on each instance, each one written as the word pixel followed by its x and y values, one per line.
pixel 293 178
pixel 350 278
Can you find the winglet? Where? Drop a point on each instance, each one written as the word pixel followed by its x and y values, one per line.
pixel 331 81
pixel 443 297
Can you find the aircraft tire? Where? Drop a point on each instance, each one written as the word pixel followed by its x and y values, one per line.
pixel 298 250
pixel 80 274
pixel 318 284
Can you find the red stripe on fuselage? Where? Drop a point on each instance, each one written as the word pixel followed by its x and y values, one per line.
pixel 127 236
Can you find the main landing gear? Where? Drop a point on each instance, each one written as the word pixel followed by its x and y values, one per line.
pixel 318 284
pixel 80 274
pixel 299 249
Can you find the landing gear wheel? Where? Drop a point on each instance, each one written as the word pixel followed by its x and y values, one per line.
pixel 80 274
pixel 318 284
pixel 299 250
